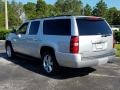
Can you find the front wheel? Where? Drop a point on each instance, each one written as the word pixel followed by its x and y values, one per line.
pixel 9 51
pixel 49 63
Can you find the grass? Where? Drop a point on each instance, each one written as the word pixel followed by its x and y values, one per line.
pixel 117 46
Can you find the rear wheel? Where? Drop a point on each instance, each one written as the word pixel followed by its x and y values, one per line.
pixel 9 51
pixel 49 63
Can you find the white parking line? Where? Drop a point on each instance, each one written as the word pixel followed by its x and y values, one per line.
pixel 102 75
pixel 114 66
pixel 117 71
pixel 4 61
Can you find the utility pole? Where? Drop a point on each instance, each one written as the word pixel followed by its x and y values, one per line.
pixel 6 15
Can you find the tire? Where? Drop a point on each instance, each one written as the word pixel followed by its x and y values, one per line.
pixel 9 51
pixel 49 63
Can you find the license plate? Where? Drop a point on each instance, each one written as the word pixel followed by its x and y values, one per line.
pixel 99 46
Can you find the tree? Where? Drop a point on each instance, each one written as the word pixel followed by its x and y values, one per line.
pixel 30 10
pixel 87 10
pixel 116 20
pixel 111 14
pixel 41 8
pixel 59 5
pixel 100 9
pixel 1 6
pixel 72 7
pixel 13 12
pixel 51 10
pixel 2 14
pixel 2 20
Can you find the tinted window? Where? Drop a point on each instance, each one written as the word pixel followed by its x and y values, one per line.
pixel 57 27
pixel 93 27
pixel 23 29
pixel 34 27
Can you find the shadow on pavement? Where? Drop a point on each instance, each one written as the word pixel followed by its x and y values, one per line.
pixel 31 64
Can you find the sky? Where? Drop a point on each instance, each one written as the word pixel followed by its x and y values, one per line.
pixel 110 3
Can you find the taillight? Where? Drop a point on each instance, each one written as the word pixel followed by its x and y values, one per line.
pixel 93 18
pixel 74 44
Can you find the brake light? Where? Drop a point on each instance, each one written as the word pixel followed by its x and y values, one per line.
pixel 74 44
pixel 93 18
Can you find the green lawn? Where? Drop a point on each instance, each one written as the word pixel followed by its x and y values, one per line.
pixel 117 46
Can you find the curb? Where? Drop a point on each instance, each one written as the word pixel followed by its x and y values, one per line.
pixel 117 57
pixel 2 41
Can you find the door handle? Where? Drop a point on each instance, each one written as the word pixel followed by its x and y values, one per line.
pixel 35 39
pixel 14 40
pixel 23 38
pixel 29 38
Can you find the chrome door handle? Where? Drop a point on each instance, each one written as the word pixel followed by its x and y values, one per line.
pixel 35 39
pixel 14 40
pixel 23 38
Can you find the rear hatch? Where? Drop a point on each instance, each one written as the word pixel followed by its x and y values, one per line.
pixel 95 37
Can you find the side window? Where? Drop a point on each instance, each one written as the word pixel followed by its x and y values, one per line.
pixel 34 27
pixel 23 29
pixel 57 27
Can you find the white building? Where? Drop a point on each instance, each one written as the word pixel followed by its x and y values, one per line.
pixel 115 27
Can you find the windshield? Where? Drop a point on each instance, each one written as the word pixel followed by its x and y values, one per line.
pixel 93 27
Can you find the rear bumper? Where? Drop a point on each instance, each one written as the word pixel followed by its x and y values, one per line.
pixel 76 61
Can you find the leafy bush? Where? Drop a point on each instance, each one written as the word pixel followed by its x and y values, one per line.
pixel 117 46
pixel 3 33
pixel 117 36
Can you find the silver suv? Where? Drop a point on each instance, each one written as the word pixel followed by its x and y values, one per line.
pixel 69 41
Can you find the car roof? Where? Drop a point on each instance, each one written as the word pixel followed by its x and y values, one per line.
pixel 64 17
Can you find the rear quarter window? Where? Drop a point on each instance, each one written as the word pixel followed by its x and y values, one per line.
pixel 93 27
pixel 34 27
pixel 57 27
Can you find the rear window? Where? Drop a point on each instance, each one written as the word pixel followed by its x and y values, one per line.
pixel 57 27
pixel 93 27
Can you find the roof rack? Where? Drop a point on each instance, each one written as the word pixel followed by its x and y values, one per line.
pixel 62 15
pixel 50 17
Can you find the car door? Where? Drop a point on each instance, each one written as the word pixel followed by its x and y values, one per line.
pixel 33 39
pixel 19 39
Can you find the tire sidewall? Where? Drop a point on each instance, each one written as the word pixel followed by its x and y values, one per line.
pixel 12 52
pixel 55 65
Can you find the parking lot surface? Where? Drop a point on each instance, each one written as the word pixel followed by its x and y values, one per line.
pixel 22 73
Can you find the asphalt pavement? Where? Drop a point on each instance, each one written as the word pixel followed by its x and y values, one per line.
pixel 23 73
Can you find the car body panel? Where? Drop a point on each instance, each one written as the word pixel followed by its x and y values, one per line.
pixel 93 50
